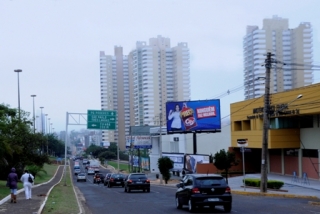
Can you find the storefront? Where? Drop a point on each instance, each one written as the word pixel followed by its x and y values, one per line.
pixel 293 136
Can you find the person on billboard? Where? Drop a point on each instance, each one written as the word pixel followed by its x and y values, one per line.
pixel 191 163
pixel 175 116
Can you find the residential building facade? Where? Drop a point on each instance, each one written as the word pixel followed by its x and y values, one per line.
pixel 139 84
pixel 292 49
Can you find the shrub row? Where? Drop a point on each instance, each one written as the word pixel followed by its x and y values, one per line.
pixel 255 182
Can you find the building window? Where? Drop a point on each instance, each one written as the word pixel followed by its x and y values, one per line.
pixel 310 153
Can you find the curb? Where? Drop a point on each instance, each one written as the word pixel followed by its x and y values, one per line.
pixel 273 195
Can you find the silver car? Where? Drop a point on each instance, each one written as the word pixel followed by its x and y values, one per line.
pixel 81 177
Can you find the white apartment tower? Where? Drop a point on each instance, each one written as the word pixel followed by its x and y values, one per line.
pixel 290 46
pixel 160 74
pixel 115 93
pixel 138 86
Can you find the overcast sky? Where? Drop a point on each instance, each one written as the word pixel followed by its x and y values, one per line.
pixel 56 43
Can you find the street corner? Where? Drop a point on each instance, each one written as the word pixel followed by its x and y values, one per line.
pixel 272 194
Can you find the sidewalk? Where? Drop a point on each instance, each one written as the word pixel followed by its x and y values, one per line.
pixel 292 188
pixel 32 206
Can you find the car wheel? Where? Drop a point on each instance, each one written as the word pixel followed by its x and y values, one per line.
pixel 178 204
pixel 190 206
pixel 77 180
pixel 227 208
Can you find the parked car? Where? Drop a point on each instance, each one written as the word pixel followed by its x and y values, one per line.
pixel 84 161
pixel 199 190
pixel 90 171
pixel 77 171
pixel 98 178
pixel 116 179
pixel 82 177
pixel 137 181
pixel 106 179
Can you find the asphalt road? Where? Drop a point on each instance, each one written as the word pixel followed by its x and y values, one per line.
pixel 100 199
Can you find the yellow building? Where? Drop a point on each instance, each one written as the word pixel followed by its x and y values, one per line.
pixel 293 136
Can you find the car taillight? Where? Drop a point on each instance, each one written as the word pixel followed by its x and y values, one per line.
pixel 129 181
pixel 111 179
pixel 228 189
pixel 147 181
pixel 195 190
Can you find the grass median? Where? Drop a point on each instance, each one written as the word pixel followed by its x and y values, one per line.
pixel 123 167
pixel 62 198
pixel 43 177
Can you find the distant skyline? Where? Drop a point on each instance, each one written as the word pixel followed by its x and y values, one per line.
pixel 56 44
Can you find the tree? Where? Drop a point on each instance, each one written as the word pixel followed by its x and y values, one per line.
pixel 225 160
pixel 19 146
pixel 164 165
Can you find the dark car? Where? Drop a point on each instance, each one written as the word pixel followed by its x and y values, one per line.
pixel 116 179
pixel 199 190
pixel 98 176
pixel 106 178
pixel 137 181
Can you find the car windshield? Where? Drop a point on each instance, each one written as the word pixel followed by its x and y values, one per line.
pixel 138 176
pixel 81 174
pixel 117 176
pixel 210 181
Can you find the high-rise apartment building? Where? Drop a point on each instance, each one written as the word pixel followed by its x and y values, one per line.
pixel 290 46
pixel 138 85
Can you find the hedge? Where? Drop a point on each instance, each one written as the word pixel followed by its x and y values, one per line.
pixel 271 184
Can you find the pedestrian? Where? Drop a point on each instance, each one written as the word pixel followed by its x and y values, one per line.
pixel 12 181
pixel 27 180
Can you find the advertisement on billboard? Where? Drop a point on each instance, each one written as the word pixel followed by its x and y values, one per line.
pixel 145 164
pixel 191 161
pixel 188 116
pixel 178 160
pixel 138 142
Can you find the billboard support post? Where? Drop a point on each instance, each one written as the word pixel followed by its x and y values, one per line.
pixel 194 143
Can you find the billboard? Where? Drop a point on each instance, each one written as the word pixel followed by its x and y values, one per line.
pixel 138 142
pixel 188 116
pixel 191 162
pixel 178 160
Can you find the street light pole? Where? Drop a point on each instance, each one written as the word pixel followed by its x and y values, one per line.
pixel 49 125
pixel 41 118
pixel 34 119
pixel 160 144
pixel 45 123
pixel 18 71
pixel 264 148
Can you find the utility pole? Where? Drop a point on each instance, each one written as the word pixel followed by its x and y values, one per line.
pixel 160 145
pixel 266 108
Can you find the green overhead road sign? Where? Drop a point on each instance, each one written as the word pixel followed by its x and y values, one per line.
pixel 104 119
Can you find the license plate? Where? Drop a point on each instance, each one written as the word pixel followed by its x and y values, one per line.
pixel 139 182
pixel 118 182
pixel 213 199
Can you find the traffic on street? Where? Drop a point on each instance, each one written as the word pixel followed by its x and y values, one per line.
pixel 161 199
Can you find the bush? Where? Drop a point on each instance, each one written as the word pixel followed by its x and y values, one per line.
pixel 271 184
